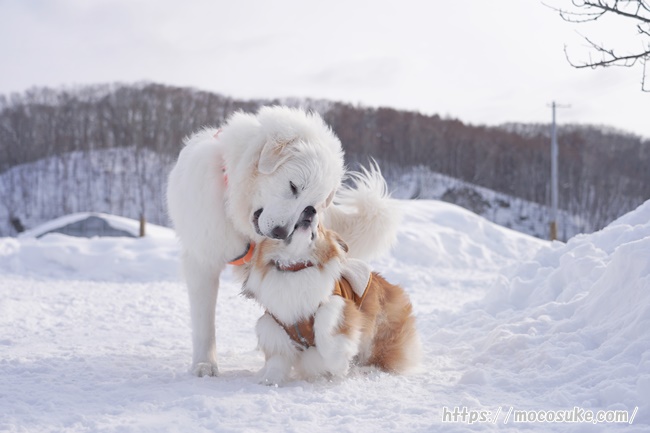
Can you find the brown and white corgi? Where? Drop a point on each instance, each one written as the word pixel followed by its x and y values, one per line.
pixel 324 311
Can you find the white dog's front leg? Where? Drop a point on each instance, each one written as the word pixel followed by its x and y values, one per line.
pixel 203 286
pixel 278 350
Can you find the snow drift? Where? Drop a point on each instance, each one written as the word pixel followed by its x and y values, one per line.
pixel 574 320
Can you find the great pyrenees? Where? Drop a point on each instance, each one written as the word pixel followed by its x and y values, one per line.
pixel 259 176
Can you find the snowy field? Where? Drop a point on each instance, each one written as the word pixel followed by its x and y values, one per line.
pixel 95 337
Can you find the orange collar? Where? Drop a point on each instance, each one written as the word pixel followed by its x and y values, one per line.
pixel 246 257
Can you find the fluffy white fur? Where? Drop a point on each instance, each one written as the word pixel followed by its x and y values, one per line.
pixel 278 162
pixel 373 230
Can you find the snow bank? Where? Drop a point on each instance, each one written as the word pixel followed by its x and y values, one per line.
pixel 152 258
pixel 571 325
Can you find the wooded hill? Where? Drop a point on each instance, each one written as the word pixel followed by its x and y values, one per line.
pixel 603 172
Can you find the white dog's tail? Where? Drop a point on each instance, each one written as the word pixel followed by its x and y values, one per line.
pixel 364 215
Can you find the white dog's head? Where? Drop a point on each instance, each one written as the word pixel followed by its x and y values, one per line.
pixel 289 171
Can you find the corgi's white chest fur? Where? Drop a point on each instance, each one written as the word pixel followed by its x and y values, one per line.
pixel 293 296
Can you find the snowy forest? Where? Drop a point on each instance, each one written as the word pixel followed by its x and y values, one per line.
pixel 109 148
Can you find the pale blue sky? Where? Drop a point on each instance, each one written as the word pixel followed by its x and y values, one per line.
pixel 483 62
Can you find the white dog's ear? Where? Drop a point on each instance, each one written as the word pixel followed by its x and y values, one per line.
pixel 273 154
pixel 329 199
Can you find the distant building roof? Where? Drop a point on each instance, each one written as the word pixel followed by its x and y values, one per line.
pixel 89 227
pixel 96 224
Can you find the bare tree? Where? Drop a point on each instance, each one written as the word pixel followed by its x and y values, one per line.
pixel 635 12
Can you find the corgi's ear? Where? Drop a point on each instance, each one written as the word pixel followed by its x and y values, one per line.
pixel 274 153
pixel 341 242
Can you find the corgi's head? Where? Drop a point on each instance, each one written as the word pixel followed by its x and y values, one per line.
pixel 310 245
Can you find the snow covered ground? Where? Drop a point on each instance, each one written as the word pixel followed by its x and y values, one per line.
pixel 94 337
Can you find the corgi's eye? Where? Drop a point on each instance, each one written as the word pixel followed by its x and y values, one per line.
pixel 294 189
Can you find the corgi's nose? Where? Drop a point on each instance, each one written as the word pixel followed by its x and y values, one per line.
pixel 307 216
pixel 279 232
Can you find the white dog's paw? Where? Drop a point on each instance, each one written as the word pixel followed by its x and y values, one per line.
pixel 202 369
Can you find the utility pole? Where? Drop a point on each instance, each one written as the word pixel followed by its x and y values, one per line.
pixel 554 173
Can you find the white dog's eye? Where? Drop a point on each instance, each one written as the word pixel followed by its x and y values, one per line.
pixel 294 189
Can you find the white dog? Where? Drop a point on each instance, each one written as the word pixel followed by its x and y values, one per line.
pixel 325 311
pixel 259 176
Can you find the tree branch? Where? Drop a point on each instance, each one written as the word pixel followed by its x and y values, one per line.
pixel 593 10
pixel 610 58
pixel 604 8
